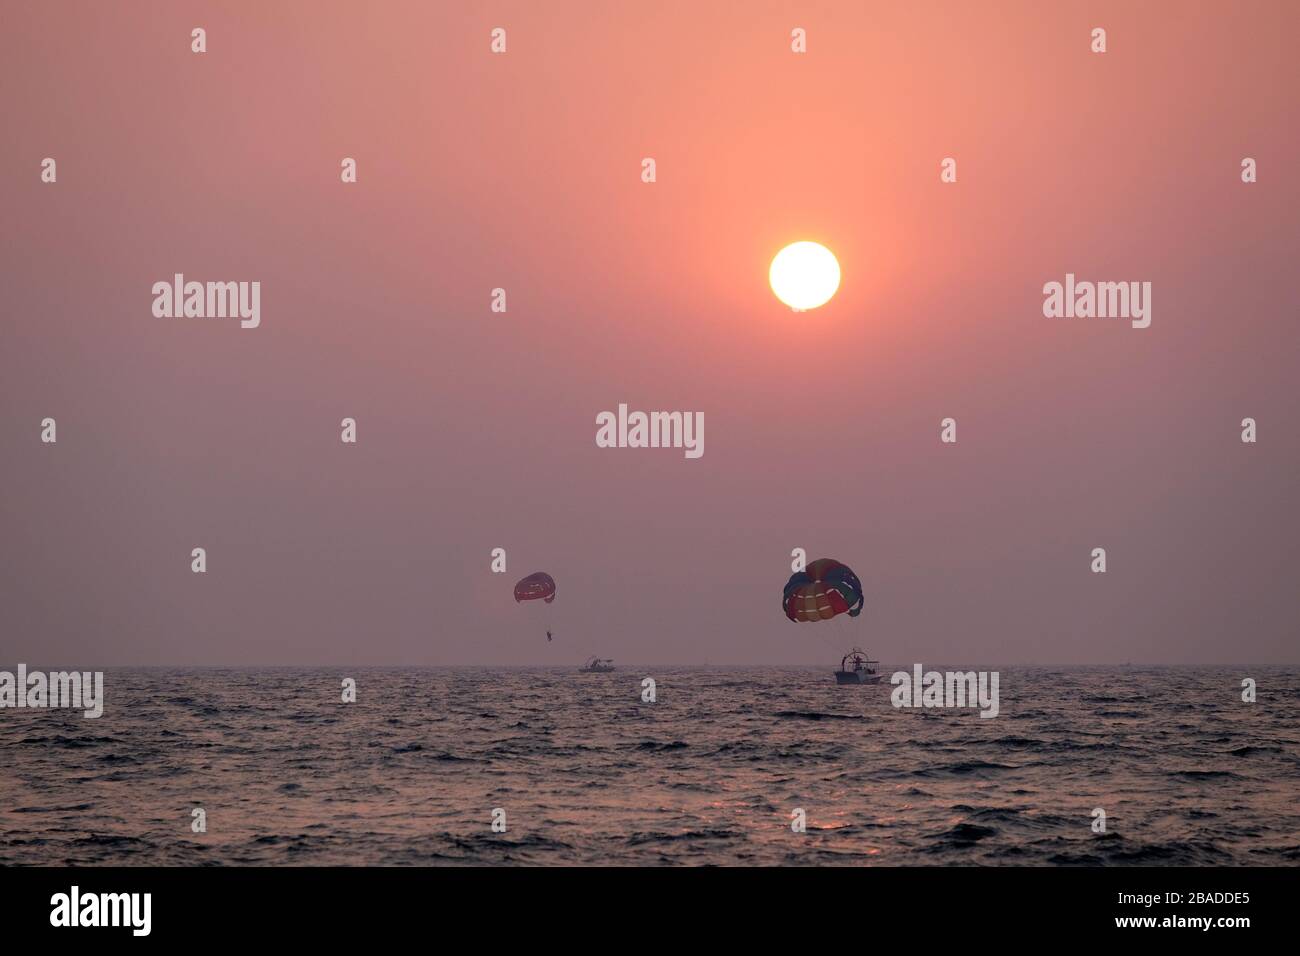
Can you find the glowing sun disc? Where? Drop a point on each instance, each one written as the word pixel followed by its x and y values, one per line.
pixel 804 275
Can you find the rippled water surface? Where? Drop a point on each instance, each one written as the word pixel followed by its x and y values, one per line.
pixel 587 773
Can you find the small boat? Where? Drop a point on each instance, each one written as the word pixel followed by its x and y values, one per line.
pixel 856 668
pixel 596 665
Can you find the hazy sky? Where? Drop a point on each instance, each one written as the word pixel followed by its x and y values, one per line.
pixel 477 430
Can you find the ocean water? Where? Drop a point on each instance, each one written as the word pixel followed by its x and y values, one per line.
pixel 708 774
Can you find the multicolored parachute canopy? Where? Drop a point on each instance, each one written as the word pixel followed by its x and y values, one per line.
pixel 825 589
pixel 537 585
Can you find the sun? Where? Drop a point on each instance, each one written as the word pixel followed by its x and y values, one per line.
pixel 804 275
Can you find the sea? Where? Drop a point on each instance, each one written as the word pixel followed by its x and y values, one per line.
pixel 730 766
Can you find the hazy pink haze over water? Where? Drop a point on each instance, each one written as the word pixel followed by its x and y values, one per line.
pixel 477 430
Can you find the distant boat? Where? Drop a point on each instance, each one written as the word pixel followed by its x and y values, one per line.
pixel 856 668
pixel 596 665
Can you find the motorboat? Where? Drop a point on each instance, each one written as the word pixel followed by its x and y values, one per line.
pixel 857 668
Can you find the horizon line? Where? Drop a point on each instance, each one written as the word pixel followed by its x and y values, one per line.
pixel 712 664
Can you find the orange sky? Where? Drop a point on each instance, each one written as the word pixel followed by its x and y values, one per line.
pixel 477 430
